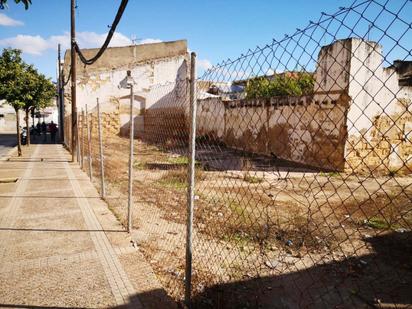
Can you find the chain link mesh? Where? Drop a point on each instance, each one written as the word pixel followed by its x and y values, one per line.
pixel 307 143
pixel 303 169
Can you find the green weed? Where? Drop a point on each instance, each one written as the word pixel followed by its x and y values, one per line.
pixel 139 165
pixel 178 160
pixel 381 224
pixel 252 179
pixel 329 174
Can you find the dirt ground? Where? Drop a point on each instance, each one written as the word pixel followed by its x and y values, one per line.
pixel 291 236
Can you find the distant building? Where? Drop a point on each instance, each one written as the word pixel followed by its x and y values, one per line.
pixel 8 117
pixel 151 65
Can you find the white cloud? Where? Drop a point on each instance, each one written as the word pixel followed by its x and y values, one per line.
pixel 9 22
pixel 204 64
pixel 34 45
pixel 93 39
pixel 89 39
pixel 270 72
pixel 37 45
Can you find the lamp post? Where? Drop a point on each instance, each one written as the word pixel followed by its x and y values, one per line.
pixel 127 83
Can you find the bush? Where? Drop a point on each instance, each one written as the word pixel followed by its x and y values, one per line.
pixel 292 84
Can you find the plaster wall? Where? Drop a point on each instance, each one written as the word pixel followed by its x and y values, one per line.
pixel 310 129
pixel 358 118
pixel 379 118
pixel 8 118
pixel 150 65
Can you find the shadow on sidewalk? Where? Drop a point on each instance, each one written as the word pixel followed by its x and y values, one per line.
pixel 57 230
pixel 48 196
pixel 46 160
pixel 44 139
pixel 37 307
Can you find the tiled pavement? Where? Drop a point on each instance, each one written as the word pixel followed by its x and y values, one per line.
pixel 60 246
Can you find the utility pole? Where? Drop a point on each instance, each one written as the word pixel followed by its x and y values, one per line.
pixel 61 94
pixel 73 80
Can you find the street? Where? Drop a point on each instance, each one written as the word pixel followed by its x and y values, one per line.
pixel 7 142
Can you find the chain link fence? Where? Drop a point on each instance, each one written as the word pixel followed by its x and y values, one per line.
pixel 303 159
pixel 307 143
pixel 160 173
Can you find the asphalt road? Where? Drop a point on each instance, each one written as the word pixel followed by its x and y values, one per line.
pixel 7 142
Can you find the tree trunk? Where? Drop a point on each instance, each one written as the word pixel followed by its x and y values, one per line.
pixel 18 133
pixel 28 129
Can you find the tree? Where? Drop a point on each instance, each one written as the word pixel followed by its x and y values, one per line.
pixel 23 87
pixel 285 84
pixel 27 3
pixel 41 92
pixel 12 74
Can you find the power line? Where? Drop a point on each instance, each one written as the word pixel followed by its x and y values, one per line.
pixel 68 78
pixel 106 43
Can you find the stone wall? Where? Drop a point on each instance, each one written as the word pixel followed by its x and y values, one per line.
pixel 310 130
pixel 358 119
pixel 379 119
pixel 386 147
pixel 109 121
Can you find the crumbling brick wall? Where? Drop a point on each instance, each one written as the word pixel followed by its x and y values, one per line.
pixel 386 148
pixel 109 121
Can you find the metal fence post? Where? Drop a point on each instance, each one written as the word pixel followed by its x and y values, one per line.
pixel 82 142
pixel 130 199
pixel 77 141
pixel 191 180
pixel 70 134
pixel 89 144
pixel 99 124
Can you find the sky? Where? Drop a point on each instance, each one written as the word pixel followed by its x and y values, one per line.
pixel 215 29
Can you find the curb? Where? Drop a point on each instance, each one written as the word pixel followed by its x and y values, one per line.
pixel 8 154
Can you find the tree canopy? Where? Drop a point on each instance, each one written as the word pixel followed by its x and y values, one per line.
pixel 21 85
pixel 26 3
pixel 286 84
pixel 12 78
pixel 40 90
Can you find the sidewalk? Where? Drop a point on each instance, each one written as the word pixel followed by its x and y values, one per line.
pixel 60 246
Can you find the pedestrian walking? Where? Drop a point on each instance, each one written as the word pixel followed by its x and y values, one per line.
pixel 53 131
pixel 38 128
pixel 44 130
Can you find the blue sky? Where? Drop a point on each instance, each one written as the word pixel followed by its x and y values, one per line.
pixel 215 29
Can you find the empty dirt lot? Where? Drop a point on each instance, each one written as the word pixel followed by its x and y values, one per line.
pixel 266 223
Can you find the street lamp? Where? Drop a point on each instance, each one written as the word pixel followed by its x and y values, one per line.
pixel 127 83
